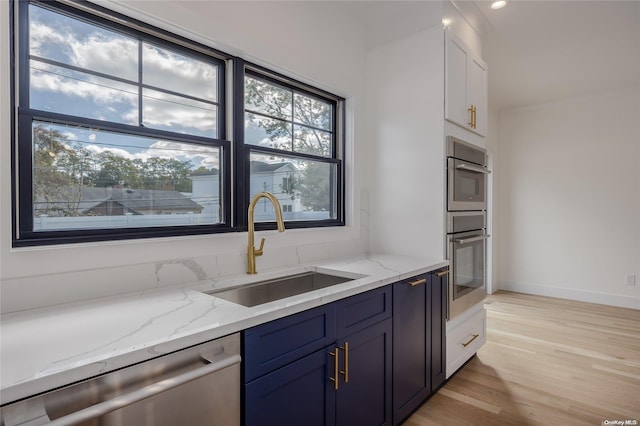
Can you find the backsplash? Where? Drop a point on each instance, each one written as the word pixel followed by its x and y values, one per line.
pixel 53 289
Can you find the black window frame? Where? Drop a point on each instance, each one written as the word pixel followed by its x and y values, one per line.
pixel 230 121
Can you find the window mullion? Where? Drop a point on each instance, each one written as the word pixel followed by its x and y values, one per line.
pixel 241 152
pixel 293 124
pixel 140 71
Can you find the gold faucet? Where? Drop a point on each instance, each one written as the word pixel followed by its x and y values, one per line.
pixel 252 252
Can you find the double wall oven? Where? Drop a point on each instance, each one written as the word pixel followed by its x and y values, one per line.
pixel 467 176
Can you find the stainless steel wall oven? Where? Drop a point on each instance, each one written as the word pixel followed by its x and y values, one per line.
pixel 467 176
pixel 466 251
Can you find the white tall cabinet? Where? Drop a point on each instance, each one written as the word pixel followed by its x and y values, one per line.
pixel 466 107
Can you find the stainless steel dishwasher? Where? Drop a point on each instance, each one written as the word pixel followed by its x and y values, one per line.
pixel 195 386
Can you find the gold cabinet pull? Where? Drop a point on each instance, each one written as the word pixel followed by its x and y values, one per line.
pixel 417 282
pixel 475 110
pixel 442 273
pixel 336 367
pixel 472 115
pixel 345 373
pixel 475 336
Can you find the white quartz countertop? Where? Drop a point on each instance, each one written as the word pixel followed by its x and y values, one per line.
pixel 42 349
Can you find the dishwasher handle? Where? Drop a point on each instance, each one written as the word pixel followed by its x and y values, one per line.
pixel 148 391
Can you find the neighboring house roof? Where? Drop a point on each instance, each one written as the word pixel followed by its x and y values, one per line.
pixel 134 200
pixel 148 199
pixel 260 166
pixel 211 173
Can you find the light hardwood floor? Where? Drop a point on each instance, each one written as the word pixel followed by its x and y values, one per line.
pixel 546 362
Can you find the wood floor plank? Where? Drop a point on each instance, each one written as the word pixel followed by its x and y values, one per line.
pixel 546 362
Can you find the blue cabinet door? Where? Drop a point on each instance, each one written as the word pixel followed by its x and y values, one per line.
pixel 439 283
pixel 299 393
pixel 365 398
pixel 411 346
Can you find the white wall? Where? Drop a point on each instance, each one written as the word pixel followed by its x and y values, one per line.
pixel 405 85
pixel 407 130
pixel 493 218
pixel 317 42
pixel 569 198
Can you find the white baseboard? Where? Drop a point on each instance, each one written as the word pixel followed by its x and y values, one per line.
pixel 619 300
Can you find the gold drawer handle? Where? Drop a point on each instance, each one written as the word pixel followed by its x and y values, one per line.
pixel 345 373
pixel 442 273
pixel 336 367
pixel 417 282
pixel 475 336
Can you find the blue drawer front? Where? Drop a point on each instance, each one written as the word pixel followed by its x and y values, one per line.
pixel 280 342
pixel 363 310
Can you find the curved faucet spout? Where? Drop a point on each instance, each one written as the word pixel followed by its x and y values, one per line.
pixel 252 252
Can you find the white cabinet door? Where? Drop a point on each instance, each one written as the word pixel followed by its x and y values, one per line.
pixel 456 83
pixel 477 93
pixel 465 86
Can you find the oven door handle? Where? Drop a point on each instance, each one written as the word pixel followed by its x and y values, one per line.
pixel 471 239
pixel 476 169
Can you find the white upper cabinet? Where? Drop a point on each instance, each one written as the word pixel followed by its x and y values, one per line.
pixel 465 86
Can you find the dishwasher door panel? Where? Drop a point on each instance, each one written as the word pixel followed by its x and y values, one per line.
pixel 195 386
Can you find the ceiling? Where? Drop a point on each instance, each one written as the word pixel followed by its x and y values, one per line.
pixel 545 51
pixel 537 51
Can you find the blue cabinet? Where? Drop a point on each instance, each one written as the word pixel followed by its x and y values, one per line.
pixel 293 377
pixel 370 359
pixel 419 305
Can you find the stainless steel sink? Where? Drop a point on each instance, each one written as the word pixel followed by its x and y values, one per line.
pixel 278 288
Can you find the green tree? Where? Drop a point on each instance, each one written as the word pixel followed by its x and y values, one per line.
pixel 77 163
pixel 202 170
pixel 115 170
pixel 57 180
pixel 167 174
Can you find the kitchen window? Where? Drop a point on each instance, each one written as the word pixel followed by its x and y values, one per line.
pixel 291 135
pixel 121 133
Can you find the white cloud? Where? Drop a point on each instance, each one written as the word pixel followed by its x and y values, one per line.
pixel 44 78
pixel 198 155
pixel 166 69
pixel 116 55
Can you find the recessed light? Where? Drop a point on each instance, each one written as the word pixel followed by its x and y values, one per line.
pixel 498 4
